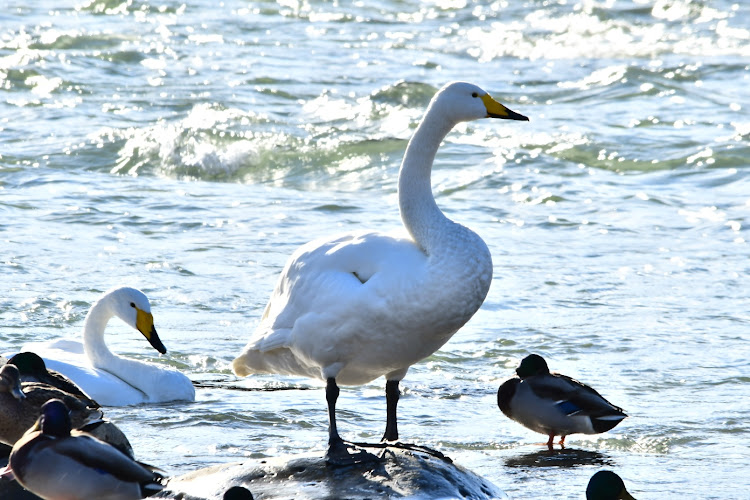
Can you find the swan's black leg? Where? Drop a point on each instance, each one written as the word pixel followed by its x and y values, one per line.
pixel 334 440
pixel 338 453
pixel 391 401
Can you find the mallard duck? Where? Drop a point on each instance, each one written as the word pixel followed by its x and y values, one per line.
pixel 21 404
pixel 110 379
pixel 606 485
pixel 354 307
pixel 237 493
pixel 555 404
pixel 55 464
pixel 33 369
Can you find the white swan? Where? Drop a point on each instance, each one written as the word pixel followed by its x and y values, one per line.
pixel 110 379
pixel 354 307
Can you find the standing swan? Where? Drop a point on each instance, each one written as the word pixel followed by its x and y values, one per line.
pixel 110 379
pixel 351 308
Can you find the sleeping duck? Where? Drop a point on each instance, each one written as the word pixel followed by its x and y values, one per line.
pixel 606 485
pixel 33 369
pixel 21 404
pixel 555 404
pixel 53 463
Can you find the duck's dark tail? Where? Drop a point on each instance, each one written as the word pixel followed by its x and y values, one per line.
pixel 603 423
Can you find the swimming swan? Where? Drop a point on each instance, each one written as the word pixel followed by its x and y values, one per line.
pixel 351 308
pixel 110 379
pixel 555 404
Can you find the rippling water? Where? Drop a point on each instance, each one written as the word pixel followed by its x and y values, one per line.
pixel 187 149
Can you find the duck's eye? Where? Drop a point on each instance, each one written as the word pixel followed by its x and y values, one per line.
pixel 132 304
pixel 474 94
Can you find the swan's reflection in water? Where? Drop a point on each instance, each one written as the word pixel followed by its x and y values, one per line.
pixel 568 457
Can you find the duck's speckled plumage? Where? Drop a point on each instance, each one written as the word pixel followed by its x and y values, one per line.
pixel 19 412
pixel 33 369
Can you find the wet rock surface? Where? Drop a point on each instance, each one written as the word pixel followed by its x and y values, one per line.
pixel 399 473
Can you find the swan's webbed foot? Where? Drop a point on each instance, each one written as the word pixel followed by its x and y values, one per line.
pixel 338 454
pixel 415 448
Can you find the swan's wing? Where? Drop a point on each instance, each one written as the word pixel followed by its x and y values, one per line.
pixel 49 349
pixel 62 382
pixel 102 386
pixel 333 278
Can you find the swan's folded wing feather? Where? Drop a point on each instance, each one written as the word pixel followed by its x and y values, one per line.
pixel 275 339
pixel 325 276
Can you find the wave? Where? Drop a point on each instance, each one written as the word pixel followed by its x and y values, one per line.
pixel 334 137
pixel 590 30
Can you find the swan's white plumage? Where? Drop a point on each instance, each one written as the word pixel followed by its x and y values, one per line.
pixel 110 379
pixel 358 306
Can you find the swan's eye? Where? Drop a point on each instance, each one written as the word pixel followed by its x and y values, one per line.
pixel 474 94
pixel 132 304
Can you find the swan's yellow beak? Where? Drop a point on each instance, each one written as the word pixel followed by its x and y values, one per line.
pixel 497 110
pixel 144 322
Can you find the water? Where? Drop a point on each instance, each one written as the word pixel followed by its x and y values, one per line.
pixel 187 149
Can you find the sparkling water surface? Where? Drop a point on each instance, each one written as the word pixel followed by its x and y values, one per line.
pixel 188 148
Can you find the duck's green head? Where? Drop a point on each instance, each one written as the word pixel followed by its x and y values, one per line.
pixel 29 363
pixel 606 485
pixel 55 418
pixel 238 493
pixel 533 364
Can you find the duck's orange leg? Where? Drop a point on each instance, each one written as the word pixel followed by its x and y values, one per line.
pixel 562 441
pixel 549 443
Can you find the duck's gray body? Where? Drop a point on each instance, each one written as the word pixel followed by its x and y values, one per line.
pixel 556 405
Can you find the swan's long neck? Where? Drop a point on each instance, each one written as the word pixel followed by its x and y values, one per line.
pixel 93 334
pixel 419 212
pixel 99 354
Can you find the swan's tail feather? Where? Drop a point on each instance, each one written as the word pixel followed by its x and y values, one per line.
pixel 280 361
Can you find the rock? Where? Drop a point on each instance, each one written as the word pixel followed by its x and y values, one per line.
pixel 401 472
